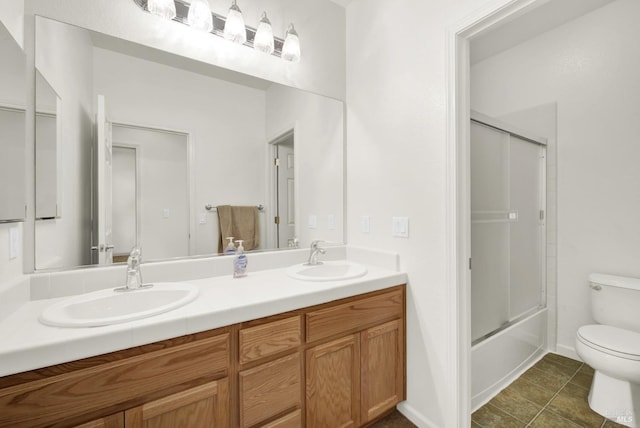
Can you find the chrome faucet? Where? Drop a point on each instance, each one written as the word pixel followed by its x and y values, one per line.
pixel 134 278
pixel 315 249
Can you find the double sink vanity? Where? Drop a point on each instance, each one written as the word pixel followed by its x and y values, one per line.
pixel 290 346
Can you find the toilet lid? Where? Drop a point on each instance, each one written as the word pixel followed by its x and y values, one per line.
pixel 612 340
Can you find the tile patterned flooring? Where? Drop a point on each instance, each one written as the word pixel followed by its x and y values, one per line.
pixel 394 420
pixel 553 393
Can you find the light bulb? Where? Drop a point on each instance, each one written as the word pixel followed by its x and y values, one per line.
pixel 200 15
pixel 291 46
pixel 163 8
pixel 264 35
pixel 234 28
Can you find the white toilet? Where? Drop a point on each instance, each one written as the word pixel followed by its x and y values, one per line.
pixel 612 348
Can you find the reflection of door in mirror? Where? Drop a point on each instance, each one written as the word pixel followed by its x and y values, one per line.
pixel 284 190
pixel 151 203
pixel 102 236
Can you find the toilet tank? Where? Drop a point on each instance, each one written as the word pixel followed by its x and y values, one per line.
pixel 615 300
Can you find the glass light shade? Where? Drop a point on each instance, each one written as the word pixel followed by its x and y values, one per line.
pixel 291 47
pixel 264 35
pixel 200 15
pixel 163 8
pixel 234 28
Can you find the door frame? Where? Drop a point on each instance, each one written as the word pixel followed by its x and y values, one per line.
pixel 272 182
pixel 190 174
pixel 457 194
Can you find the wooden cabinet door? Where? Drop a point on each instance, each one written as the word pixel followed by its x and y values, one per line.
pixel 333 384
pixel 382 368
pixel 112 421
pixel 199 407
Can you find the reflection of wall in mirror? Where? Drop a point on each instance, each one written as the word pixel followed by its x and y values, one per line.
pixel 318 125
pixel 12 128
pixel 64 57
pixel 225 123
pixel 163 193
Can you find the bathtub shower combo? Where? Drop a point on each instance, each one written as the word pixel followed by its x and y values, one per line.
pixel 508 254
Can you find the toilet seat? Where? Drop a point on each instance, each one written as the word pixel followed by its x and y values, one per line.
pixel 611 340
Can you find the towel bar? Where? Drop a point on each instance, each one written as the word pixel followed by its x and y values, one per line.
pixel 210 207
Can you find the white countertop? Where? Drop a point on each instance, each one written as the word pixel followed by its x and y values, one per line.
pixel 26 344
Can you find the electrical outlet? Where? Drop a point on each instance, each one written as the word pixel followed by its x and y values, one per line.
pixel 365 224
pixel 203 218
pixel 313 221
pixel 14 243
pixel 331 222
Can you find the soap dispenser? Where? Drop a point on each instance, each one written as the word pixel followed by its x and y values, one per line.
pixel 231 249
pixel 240 262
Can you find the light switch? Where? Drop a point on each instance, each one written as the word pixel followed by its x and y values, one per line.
pixel 400 227
pixel 14 243
pixel 365 224
pixel 165 213
pixel 331 222
pixel 313 221
pixel 203 218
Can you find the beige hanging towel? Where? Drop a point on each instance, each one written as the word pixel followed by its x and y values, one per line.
pixel 239 222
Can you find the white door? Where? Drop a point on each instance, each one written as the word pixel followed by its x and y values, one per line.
pixel 103 242
pixel 285 168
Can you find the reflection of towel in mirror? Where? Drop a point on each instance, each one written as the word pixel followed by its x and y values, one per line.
pixel 241 223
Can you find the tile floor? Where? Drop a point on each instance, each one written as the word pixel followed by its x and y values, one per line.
pixel 394 420
pixel 553 393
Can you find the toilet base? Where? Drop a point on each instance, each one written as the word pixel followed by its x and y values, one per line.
pixel 615 399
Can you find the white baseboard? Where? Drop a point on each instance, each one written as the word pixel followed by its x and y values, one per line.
pixel 567 351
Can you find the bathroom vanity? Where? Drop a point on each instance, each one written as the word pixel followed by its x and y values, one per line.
pixel 332 364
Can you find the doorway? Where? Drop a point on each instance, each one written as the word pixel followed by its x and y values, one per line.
pixel 283 149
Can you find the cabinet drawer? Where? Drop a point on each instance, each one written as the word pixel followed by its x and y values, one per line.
pixel 270 389
pixel 354 315
pixel 292 420
pixel 269 339
pixel 114 383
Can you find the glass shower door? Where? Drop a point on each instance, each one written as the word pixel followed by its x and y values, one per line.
pixel 506 228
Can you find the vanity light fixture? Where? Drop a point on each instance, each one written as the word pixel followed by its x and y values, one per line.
pixel 291 47
pixel 264 35
pixel 194 13
pixel 234 28
pixel 200 15
pixel 163 8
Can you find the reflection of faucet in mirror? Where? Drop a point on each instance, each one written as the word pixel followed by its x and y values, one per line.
pixel 134 277
pixel 315 249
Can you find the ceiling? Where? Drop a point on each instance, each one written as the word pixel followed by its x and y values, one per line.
pixel 527 25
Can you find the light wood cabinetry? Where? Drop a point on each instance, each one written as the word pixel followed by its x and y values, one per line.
pixel 270 389
pixel 112 421
pixel 333 384
pixel 339 364
pixel 382 369
pixel 204 406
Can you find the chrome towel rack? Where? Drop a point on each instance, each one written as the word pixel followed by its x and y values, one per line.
pixel 212 208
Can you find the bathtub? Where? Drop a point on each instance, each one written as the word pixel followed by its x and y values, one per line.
pixel 501 358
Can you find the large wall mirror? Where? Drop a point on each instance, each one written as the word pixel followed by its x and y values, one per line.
pixel 144 145
pixel 12 128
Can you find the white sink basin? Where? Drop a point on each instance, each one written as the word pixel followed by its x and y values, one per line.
pixel 106 307
pixel 327 271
